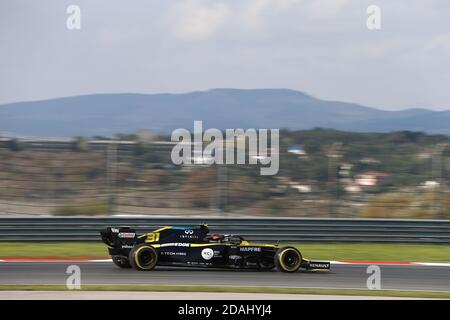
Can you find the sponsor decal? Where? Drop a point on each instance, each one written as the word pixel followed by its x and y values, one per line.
pixel 188 236
pixel 169 253
pixel 250 249
pixel 319 265
pixel 207 253
pixel 176 244
pixel 127 235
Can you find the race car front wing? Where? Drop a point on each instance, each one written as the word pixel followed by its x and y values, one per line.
pixel 315 265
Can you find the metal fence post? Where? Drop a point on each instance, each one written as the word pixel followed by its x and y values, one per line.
pixel 333 155
pixel 438 175
pixel 111 173
pixel 221 181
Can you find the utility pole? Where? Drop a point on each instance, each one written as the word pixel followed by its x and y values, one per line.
pixel 111 175
pixel 334 153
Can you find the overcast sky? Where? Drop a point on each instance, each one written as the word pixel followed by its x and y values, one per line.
pixel 321 47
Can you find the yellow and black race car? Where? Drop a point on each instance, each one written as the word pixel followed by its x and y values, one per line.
pixel 187 246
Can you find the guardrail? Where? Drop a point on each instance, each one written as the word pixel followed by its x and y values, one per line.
pixel 257 229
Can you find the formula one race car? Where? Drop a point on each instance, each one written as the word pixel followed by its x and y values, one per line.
pixel 186 246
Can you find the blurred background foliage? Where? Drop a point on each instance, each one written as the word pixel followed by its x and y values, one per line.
pixel 322 173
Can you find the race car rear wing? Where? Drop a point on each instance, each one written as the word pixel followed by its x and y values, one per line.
pixel 119 237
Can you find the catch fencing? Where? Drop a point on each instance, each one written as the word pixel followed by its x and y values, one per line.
pixel 387 179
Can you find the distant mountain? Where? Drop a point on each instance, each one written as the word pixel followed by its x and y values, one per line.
pixel 108 114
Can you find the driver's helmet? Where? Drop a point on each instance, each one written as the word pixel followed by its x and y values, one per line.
pixel 215 238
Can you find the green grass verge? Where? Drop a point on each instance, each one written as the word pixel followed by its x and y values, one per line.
pixel 62 250
pixel 175 288
pixel 332 251
pixel 377 252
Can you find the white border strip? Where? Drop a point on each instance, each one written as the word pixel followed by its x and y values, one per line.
pixel 382 263
pixel 432 264
pixel 101 260
pixel 338 262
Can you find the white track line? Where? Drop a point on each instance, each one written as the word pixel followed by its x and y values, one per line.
pixel 100 260
pixel 429 264
pixel 432 264
pixel 338 262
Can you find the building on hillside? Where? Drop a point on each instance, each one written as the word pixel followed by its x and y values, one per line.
pixel 370 178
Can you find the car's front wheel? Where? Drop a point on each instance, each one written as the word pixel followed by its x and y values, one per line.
pixel 143 257
pixel 288 259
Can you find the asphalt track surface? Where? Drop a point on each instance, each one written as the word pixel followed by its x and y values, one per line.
pixel 398 277
pixel 126 295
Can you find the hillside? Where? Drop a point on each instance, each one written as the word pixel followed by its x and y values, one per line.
pixel 109 114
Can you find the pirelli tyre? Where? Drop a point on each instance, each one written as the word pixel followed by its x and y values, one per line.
pixel 143 257
pixel 288 259
pixel 121 261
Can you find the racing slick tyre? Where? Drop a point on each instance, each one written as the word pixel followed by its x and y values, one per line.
pixel 143 257
pixel 121 262
pixel 288 259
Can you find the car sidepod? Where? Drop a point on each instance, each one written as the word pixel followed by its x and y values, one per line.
pixel 193 254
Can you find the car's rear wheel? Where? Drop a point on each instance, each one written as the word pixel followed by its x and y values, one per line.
pixel 288 259
pixel 121 261
pixel 143 257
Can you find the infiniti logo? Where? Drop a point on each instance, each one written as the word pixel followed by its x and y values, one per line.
pixel 189 231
